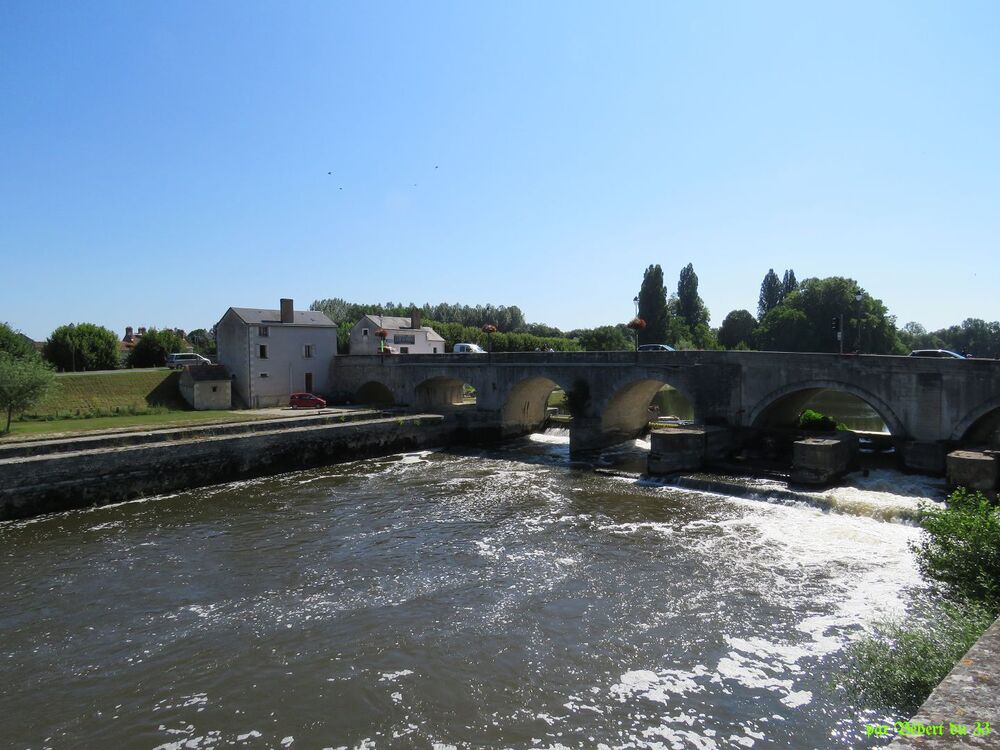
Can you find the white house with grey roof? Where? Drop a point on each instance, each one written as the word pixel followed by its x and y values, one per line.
pixel 404 335
pixel 274 353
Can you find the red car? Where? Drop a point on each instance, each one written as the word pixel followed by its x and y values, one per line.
pixel 306 400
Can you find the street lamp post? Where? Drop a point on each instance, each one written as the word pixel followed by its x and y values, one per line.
pixel 857 298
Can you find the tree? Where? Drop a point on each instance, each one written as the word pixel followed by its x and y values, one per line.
pixel 605 339
pixel 153 348
pixel 803 321
pixel 82 346
pixel 653 307
pixel 737 328
pixel 770 294
pixel 785 330
pixel 23 383
pixel 203 341
pixel 788 283
pixel 16 343
pixel 690 307
pixel 915 336
pixel 974 336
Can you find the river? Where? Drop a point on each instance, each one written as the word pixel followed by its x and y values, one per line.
pixel 497 599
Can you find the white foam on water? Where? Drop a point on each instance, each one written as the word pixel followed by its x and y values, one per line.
pixel 550 437
pixel 393 676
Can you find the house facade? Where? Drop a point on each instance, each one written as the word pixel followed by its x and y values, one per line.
pixel 274 353
pixel 404 335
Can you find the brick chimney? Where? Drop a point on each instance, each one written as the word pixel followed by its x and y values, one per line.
pixel 287 311
pixel 128 334
pixel 415 318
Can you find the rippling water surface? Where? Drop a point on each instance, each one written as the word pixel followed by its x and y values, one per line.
pixel 480 600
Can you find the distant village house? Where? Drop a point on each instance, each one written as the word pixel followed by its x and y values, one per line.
pixel 404 335
pixel 274 353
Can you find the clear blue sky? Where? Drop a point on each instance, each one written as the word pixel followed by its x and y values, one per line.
pixel 163 161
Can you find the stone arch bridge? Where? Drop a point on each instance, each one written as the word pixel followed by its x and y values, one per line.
pixel 921 400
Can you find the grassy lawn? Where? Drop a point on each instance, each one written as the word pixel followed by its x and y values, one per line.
pixel 557 398
pixel 132 422
pixel 82 394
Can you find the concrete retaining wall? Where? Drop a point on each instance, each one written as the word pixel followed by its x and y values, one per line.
pixel 32 485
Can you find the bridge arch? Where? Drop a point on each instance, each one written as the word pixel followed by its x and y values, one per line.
pixel 985 418
pixel 793 397
pixel 442 392
pixel 375 393
pixel 525 403
pixel 625 411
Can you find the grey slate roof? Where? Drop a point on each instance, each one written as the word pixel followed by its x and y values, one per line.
pixel 206 372
pixel 253 316
pixel 393 323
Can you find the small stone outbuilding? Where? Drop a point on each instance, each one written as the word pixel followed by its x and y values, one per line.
pixel 207 387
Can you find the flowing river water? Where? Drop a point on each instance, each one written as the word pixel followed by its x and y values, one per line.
pixel 497 599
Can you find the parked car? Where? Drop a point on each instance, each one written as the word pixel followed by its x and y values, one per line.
pixel 182 359
pixel 468 349
pixel 936 353
pixel 656 348
pixel 306 401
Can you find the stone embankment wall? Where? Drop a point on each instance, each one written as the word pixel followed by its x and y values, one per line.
pixel 33 485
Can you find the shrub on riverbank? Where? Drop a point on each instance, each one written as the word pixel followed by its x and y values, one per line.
pixel 959 554
pixel 961 549
pixel 899 665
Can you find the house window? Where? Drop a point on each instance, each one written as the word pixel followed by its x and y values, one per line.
pixel 364 332
pixel 404 350
pixel 307 351
pixel 263 351
pixel 263 374
pixel 404 338
pixel 435 350
pixel 263 330
pixel 215 388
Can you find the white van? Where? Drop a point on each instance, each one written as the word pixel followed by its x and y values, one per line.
pixel 468 349
pixel 181 359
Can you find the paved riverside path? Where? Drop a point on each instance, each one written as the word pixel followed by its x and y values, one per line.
pixel 70 442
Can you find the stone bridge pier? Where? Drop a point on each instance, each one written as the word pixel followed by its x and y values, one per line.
pixel 928 405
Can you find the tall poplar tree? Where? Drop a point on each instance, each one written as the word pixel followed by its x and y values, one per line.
pixel 689 305
pixel 788 284
pixel 770 294
pixel 653 307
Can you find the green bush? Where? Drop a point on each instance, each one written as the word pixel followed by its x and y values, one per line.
pixel 899 666
pixel 961 549
pixel 813 421
pixel 959 554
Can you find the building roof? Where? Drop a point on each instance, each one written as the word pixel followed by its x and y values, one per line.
pixel 393 323
pixel 253 316
pixel 206 372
